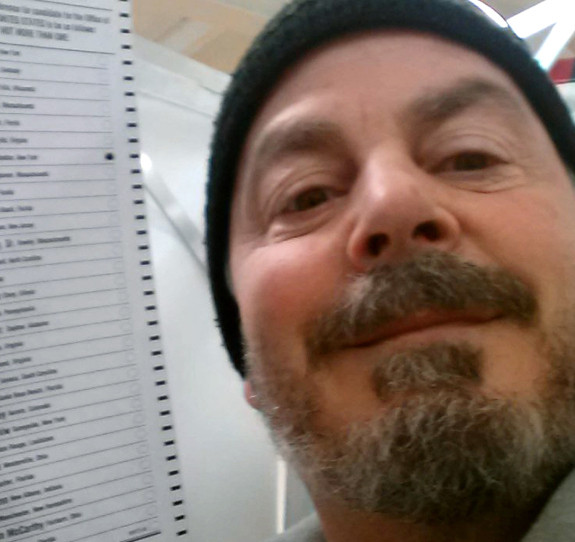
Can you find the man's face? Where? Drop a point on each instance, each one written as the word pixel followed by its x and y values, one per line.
pixel 402 244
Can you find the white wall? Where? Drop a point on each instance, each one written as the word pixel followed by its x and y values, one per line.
pixel 228 465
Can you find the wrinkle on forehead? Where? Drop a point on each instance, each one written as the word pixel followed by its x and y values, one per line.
pixel 437 106
pixel 308 132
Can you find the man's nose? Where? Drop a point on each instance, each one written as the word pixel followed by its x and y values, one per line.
pixel 398 212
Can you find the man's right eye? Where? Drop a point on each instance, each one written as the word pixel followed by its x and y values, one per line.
pixel 308 199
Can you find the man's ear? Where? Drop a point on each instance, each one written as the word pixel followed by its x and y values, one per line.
pixel 250 396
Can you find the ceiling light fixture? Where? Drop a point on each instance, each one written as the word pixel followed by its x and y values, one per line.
pixel 559 14
pixel 491 13
pixel 538 17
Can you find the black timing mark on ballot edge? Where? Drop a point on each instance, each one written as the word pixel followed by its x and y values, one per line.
pixel 137 201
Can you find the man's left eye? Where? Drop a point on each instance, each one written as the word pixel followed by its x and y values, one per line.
pixel 469 161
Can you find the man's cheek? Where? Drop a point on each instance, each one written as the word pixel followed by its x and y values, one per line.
pixel 287 289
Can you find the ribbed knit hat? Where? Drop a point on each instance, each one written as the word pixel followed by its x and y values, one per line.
pixel 304 25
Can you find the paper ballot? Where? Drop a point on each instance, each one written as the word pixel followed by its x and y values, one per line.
pixel 87 448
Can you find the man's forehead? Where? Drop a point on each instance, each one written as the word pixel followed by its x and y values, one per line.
pixel 389 56
pixel 296 115
pixel 300 125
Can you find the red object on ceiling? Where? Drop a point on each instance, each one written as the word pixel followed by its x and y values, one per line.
pixel 563 71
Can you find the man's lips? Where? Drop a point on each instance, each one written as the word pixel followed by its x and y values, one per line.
pixel 420 322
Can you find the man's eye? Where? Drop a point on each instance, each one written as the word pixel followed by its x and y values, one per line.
pixel 308 200
pixel 469 161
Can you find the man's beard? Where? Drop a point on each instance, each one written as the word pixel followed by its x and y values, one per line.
pixel 440 450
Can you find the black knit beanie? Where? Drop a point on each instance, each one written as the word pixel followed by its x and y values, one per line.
pixel 304 25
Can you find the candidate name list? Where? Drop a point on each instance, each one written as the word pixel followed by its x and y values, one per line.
pixel 73 455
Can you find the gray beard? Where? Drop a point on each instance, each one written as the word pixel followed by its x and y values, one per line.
pixel 443 455
pixel 440 451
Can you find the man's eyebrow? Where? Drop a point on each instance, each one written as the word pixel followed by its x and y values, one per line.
pixel 439 106
pixel 296 136
pixel 436 106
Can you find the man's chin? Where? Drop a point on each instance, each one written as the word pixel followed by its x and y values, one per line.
pixel 439 459
pixel 440 450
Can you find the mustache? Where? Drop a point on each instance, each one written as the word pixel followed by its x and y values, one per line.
pixel 433 280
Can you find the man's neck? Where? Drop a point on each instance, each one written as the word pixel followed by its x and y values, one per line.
pixel 341 524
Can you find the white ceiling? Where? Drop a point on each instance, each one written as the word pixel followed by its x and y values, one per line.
pixel 217 32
